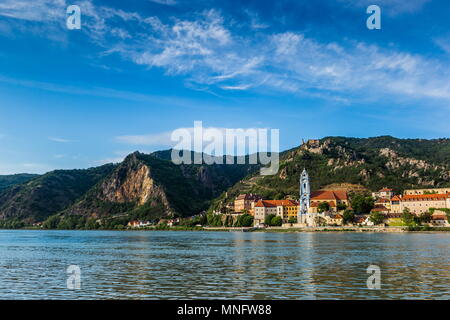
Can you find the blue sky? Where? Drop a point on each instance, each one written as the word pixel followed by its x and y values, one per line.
pixel 139 69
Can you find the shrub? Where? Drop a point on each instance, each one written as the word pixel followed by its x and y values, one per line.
pixel 276 221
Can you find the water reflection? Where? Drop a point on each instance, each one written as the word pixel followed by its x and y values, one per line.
pixel 207 265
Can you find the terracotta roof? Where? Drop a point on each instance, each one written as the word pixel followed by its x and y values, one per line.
pixel 439 217
pixel 382 200
pixel 316 203
pixel 385 190
pixel 395 198
pixel 415 197
pixel 379 208
pixel 329 195
pixel 275 203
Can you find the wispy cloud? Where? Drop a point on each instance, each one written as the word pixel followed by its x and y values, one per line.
pixel 208 52
pixel 212 55
pixel 166 2
pixel 157 139
pixel 60 140
pixel 39 10
pixel 443 43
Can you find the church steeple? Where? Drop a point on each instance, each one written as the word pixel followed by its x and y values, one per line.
pixel 305 193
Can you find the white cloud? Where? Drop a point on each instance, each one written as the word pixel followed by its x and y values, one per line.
pixel 60 140
pixel 166 2
pixel 211 56
pixel 38 10
pixel 157 139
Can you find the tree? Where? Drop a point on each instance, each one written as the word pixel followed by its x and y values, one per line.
pixel 215 220
pixel 341 206
pixel 247 220
pixel 323 206
pixel 408 217
pixel 348 216
pixel 292 220
pixel 425 217
pixel 377 217
pixel 268 219
pixel 51 222
pixel 276 221
pixel 228 221
pixel 244 220
pixel 91 224
pixel 362 203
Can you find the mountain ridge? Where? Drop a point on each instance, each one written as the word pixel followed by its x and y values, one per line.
pixel 150 186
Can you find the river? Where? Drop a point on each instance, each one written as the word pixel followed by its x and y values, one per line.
pixel 222 265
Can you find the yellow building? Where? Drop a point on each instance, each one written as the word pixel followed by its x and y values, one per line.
pixel 286 209
pixel 383 202
pixel 395 206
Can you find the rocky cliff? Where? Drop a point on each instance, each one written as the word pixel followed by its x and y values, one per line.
pixel 150 186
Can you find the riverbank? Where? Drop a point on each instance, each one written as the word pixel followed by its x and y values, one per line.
pixel 396 229
pixel 335 229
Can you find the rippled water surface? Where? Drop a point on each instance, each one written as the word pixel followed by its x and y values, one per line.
pixel 210 265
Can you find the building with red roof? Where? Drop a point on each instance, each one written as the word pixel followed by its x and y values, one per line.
pixel 246 202
pixel 384 193
pixel 286 209
pixel 332 197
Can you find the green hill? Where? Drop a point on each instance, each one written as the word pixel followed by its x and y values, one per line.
pixel 48 194
pixel 372 163
pixel 150 186
pixel 7 181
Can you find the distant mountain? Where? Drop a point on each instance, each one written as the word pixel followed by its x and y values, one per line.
pixel 48 194
pixel 151 186
pixel 370 163
pixel 7 181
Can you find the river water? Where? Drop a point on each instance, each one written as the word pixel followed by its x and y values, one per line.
pixel 222 265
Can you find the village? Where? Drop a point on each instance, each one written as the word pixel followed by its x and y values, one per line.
pixel 325 208
pixel 330 207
